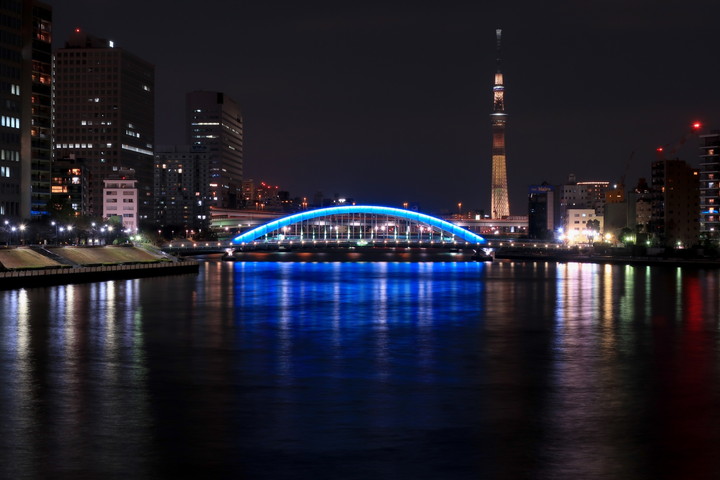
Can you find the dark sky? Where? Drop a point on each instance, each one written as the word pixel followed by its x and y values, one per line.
pixel 387 102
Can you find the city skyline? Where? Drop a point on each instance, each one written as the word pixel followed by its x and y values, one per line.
pixel 388 104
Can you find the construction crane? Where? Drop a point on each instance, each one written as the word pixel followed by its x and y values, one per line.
pixel 627 167
pixel 616 194
pixel 665 150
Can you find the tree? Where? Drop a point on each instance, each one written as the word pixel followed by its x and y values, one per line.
pixel 59 209
pixel 627 236
pixel 593 229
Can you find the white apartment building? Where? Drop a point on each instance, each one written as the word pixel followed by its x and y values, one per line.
pixel 576 226
pixel 120 198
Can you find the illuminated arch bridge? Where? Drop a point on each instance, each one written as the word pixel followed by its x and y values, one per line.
pixel 361 224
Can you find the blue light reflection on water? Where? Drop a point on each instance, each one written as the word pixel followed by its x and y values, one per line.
pixel 357 370
pixel 351 354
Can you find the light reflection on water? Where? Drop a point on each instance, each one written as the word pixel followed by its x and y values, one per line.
pixel 355 370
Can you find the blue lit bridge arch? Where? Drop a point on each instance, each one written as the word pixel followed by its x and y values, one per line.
pixel 361 223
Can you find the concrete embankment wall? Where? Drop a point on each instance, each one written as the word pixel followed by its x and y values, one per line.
pixel 40 266
pixel 60 276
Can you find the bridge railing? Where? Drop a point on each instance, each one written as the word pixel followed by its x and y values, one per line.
pixel 275 242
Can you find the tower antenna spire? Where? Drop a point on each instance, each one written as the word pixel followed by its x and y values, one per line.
pixel 498 35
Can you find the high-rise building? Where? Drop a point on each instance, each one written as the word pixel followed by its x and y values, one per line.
pixel 41 110
pixel 14 174
pixel 639 213
pixel 182 180
pixel 25 133
pixel 104 112
pixel 710 185
pixel 675 203
pixel 499 203
pixel 69 182
pixel 541 211
pixel 215 122
pixel 248 188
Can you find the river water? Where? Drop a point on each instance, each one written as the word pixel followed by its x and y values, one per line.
pixel 424 370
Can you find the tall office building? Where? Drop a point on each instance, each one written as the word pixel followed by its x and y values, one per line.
pixel 675 197
pixel 69 182
pixel 499 203
pixel 214 121
pixel 41 110
pixel 104 113
pixel 541 211
pixel 710 185
pixel 25 80
pixel 182 180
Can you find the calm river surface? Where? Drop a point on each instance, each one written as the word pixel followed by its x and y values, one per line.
pixel 435 370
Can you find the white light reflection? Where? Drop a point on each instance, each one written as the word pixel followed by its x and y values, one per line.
pixel 20 415
pixel 105 329
pixel 71 366
pixel 584 335
pixel 627 300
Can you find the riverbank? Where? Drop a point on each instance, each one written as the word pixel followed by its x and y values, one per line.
pixel 650 261
pixel 41 266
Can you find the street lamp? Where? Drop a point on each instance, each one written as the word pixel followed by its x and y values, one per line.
pixel 54 224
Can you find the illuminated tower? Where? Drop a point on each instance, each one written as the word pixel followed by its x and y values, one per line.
pixel 500 205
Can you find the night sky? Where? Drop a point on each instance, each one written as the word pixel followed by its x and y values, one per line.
pixel 387 102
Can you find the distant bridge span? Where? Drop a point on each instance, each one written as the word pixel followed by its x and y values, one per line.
pixel 420 221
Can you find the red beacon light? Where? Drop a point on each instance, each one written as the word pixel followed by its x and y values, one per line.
pixel 77 30
pixel 696 126
pixel 659 149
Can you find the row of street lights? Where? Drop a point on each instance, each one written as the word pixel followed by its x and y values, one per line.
pixel 12 230
pixel 60 229
pixel 12 233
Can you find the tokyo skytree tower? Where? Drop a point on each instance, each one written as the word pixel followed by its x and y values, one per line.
pixel 500 205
